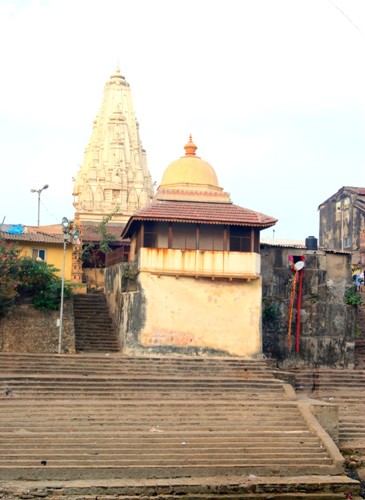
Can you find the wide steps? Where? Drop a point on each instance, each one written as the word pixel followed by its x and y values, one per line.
pixel 115 365
pixel 111 417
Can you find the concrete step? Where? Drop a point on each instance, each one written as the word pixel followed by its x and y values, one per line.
pixel 250 487
pixel 345 388
pixel 166 418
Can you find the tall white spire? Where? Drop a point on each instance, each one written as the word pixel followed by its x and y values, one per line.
pixel 114 173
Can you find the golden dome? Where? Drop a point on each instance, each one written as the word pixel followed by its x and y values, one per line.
pixel 188 170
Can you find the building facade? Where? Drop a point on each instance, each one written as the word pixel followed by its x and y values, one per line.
pixel 195 264
pixel 342 222
pixel 43 243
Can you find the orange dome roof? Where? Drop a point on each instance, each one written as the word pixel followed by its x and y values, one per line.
pixel 189 170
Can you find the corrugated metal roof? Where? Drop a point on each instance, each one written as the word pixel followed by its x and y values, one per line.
pixel 275 242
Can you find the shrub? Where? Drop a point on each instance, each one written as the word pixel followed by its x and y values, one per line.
pixel 9 270
pixel 352 297
pixel 22 277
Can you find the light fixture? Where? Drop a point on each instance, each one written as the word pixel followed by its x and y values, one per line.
pixel 39 198
pixel 65 224
pixel 68 234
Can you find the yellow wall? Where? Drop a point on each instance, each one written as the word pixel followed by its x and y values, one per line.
pixel 220 314
pixel 54 255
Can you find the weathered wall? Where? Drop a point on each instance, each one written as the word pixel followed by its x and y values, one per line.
pixel 94 278
pixel 186 314
pixel 327 324
pixel 25 329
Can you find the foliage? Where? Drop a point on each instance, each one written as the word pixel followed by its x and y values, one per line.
pixel 49 297
pixel 313 298
pixel 352 297
pixel 9 268
pixel 22 277
pixel 39 280
pixel 93 253
pixel 35 275
pixel 130 272
pixel 271 310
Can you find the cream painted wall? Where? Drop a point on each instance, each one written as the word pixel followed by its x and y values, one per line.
pixel 220 314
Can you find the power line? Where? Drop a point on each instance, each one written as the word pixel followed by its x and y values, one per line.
pixel 347 17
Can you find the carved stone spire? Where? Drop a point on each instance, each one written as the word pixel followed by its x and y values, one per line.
pixel 114 173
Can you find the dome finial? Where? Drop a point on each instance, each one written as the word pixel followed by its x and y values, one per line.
pixel 190 147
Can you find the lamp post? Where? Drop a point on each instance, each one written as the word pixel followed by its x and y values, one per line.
pixel 67 235
pixel 39 197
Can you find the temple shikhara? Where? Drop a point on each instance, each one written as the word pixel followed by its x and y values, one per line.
pixel 113 177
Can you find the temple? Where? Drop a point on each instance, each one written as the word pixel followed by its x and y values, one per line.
pixel 196 260
pixel 113 178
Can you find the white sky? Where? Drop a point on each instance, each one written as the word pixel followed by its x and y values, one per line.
pixel 273 92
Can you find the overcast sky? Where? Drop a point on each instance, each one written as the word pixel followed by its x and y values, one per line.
pixel 272 91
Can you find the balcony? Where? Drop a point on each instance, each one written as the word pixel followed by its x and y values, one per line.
pixel 199 263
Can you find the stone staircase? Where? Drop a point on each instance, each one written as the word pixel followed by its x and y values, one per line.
pixel 360 336
pixel 345 388
pixel 106 427
pixel 94 331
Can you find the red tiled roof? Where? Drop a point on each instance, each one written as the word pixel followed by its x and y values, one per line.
pixel 50 229
pixel 203 213
pixel 33 237
pixel 89 231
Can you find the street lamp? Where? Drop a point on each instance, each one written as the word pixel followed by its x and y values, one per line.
pixel 68 234
pixel 39 197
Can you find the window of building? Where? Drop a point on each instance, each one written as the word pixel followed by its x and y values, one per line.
pixel 38 254
pixel 211 237
pixel 347 242
pixel 150 240
pixel 155 235
pixel 240 239
pixel 338 211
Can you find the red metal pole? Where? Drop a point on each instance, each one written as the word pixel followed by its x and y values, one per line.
pixel 291 306
pixel 299 305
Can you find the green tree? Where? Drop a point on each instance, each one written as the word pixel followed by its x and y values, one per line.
pixel 39 280
pixel 9 270
pixel 93 253
pixel 23 277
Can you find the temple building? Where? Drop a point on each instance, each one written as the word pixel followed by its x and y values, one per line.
pixel 113 181
pixel 196 264
pixel 113 177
